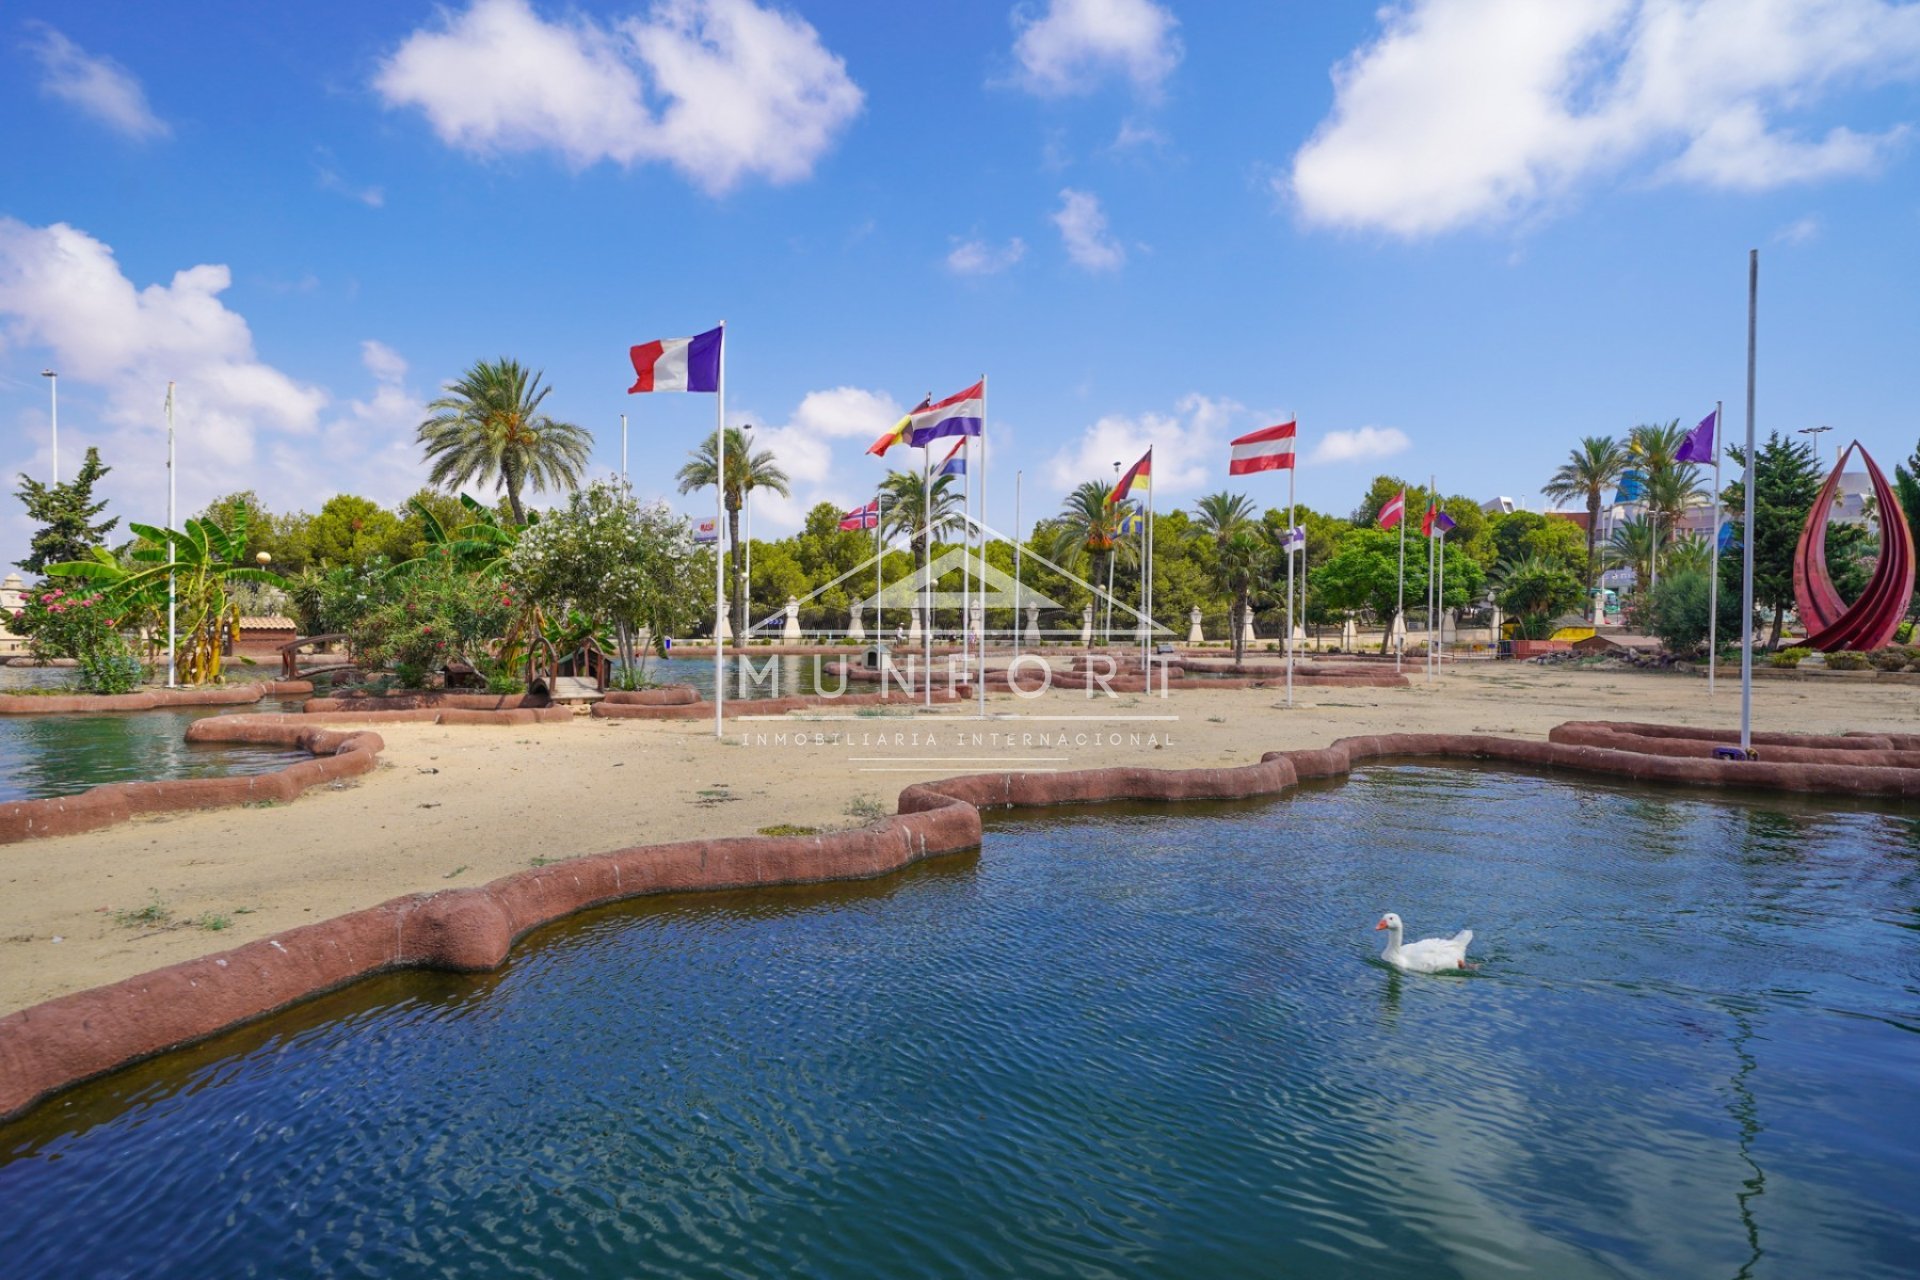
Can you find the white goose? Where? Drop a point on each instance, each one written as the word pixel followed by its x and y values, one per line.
pixel 1429 955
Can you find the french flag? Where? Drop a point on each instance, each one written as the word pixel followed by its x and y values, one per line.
pixel 677 364
pixel 1268 449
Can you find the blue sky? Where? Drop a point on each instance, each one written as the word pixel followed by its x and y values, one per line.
pixel 1453 236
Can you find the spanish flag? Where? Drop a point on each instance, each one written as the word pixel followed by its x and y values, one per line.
pixel 898 432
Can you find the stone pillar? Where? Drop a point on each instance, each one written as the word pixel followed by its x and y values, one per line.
pixel 1599 608
pixel 1086 626
pixel 790 633
pixel 1033 624
pixel 913 628
pixel 977 619
pixel 1247 637
pixel 1349 636
pixel 858 631
pixel 726 624
pixel 1194 634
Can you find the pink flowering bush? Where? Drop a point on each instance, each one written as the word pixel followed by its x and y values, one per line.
pixel 68 620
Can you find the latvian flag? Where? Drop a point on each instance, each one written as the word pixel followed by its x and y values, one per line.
pixel 962 414
pixel 867 517
pixel 677 364
pixel 1395 511
pixel 1268 449
pixel 1139 476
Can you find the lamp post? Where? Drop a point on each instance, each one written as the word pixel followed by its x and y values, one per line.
pixel 53 392
pixel 1816 433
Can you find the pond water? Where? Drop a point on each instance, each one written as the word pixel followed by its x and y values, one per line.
pixel 1121 1041
pixel 793 674
pixel 63 755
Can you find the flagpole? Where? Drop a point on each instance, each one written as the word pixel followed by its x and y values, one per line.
pixel 1017 548
pixel 1440 593
pixel 172 633
pixel 1400 599
pixel 1433 491
pixel 1292 468
pixel 720 531
pixel 926 565
pixel 981 539
pixel 623 447
pixel 1713 582
pixel 1746 540
pixel 879 556
pixel 1146 588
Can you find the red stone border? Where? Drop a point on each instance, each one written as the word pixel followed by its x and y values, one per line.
pixel 148 699
pixel 607 709
pixel 432 700
pixel 336 755
pixel 62 1042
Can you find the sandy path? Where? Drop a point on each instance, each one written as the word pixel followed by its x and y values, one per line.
pixel 459 806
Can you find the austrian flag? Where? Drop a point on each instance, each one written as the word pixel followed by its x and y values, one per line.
pixel 1268 449
pixel 677 364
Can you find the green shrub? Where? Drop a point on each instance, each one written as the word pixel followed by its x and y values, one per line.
pixel 1891 658
pixel 1787 657
pixel 111 668
pixel 1905 634
pixel 62 620
pixel 430 618
pixel 1847 660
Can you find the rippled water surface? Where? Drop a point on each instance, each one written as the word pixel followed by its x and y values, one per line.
pixel 767 676
pixel 63 755
pixel 1119 1042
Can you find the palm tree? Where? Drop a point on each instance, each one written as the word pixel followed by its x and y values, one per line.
pixel 1088 522
pixel 488 429
pixel 922 510
pixel 1672 486
pixel 1228 518
pixel 1632 547
pixel 747 469
pixel 1585 476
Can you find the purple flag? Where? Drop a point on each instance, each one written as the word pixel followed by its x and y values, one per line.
pixel 1698 446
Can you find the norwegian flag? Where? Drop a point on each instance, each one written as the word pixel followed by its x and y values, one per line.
pixel 867 517
pixel 1395 511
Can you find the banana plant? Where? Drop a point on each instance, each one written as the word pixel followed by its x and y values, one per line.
pixel 202 560
pixel 482 545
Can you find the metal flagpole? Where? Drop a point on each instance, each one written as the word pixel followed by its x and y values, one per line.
pixel 926 565
pixel 1746 539
pixel 879 555
pixel 719 535
pixel 1713 582
pixel 1146 587
pixel 1440 592
pixel 1292 467
pixel 172 634
pixel 1017 623
pixel 1399 642
pixel 981 538
pixel 966 558
pixel 1433 490
pixel 623 446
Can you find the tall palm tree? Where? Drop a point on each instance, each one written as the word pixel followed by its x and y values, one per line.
pixel 1585 476
pixel 746 469
pixel 1088 522
pixel 1672 486
pixel 1239 555
pixel 1632 547
pixel 921 509
pixel 488 429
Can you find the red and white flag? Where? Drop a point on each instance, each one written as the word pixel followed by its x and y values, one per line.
pixel 867 517
pixel 1395 511
pixel 1268 449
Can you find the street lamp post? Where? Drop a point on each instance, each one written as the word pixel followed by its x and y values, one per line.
pixel 1816 433
pixel 53 391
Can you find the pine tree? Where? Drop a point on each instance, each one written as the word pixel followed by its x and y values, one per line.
pixel 1786 481
pixel 66 512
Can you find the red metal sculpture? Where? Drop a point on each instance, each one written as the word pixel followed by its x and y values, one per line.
pixel 1869 622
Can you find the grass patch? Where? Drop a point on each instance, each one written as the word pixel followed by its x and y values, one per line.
pixel 865 808
pixel 261 804
pixel 156 912
pixel 538 860
pixel 788 829
pixel 212 921
pixel 456 871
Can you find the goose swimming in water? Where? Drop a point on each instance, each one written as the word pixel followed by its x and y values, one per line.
pixel 1429 955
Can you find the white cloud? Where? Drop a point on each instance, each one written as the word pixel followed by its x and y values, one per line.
pixel 1133 134
pixel 98 86
pixel 330 179
pixel 973 256
pixel 1361 444
pixel 241 422
pixel 720 89
pixel 1074 44
pixel 1189 447
pixel 1800 231
pixel 1083 229
pixel 1478 111
pixel 818 447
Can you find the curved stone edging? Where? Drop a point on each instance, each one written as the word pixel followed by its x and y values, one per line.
pixel 336 755
pixel 667 695
pixel 609 710
pixel 62 1042
pixel 431 700
pixel 148 699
